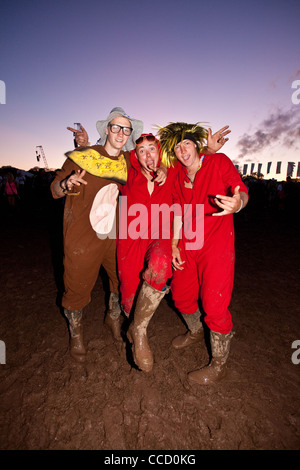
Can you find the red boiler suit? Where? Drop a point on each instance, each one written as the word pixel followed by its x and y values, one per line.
pixel 209 268
pixel 148 256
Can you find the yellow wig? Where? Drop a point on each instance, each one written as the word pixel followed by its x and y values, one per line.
pixel 175 132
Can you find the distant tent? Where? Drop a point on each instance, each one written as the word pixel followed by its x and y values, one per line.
pixel 278 168
pixel 259 169
pixel 290 169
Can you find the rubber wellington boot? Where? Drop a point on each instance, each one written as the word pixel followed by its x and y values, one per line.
pixel 216 370
pixel 113 319
pixel 146 305
pixel 195 333
pixel 77 349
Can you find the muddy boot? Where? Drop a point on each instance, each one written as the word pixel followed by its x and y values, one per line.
pixel 216 370
pixel 113 319
pixel 195 333
pixel 77 349
pixel 147 303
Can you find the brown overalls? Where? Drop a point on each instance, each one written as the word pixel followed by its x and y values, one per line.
pixel 84 252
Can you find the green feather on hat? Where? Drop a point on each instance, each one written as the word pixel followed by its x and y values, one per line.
pixel 175 132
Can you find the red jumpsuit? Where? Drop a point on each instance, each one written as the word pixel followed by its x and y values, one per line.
pixel 144 243
pixel 208 270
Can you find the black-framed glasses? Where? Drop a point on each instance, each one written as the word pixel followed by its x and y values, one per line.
pixel 115 129
pixel 149 137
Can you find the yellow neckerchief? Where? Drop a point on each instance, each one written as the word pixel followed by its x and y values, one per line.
pixel 98 165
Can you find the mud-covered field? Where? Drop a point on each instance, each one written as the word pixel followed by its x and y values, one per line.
pixel 49 402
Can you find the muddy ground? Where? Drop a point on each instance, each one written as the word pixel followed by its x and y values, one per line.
pixel 49 402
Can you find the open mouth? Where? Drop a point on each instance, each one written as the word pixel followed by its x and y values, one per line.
pixel 149 161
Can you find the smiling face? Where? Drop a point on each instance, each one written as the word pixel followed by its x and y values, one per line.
pixel 147 155
pixel 187 153
pixel 115 142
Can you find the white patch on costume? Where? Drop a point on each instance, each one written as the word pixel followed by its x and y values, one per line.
pixel 103 211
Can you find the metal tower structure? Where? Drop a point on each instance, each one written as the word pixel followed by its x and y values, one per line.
pixel 40 153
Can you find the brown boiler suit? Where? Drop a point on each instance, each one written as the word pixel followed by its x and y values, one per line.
pixel 84 252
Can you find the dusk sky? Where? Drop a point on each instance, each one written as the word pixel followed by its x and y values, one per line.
pixel 216 62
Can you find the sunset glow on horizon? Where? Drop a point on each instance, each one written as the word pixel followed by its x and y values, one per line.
pixel 218 63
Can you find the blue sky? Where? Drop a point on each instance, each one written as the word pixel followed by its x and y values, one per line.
pixel 215 62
